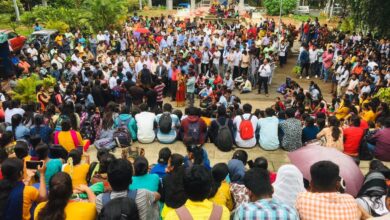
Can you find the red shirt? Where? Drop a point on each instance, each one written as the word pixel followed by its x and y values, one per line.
pixel 352 138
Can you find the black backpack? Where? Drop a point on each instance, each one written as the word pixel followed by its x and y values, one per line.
pixel 224 139
pixel 364 152
pixel 87 130
pixel 165 123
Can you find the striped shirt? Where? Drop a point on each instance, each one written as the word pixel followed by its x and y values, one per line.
pixel 159 89
pixel 265 209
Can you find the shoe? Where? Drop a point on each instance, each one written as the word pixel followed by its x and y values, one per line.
pixel 308 77
pixel 316 76
pixel 300 77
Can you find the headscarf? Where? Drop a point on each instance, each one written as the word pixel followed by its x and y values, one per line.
pixel 288 184
pixel 236 171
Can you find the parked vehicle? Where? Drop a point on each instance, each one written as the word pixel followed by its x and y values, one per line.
pixel 15 40
pixel 41 38
pixel 249 8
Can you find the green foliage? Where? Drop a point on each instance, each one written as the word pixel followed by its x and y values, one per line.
pixel 61 26
pixel 296 71
pixel 133 5
pixel 106 13
pixel 383 94
pixel 25 90
pixel 273 6
pixel 347 25
pixel 7 6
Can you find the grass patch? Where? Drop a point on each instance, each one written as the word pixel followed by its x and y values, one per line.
pixel 6 23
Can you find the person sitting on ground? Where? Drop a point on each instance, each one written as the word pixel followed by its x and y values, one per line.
pixel 163 157
pixel 332 136
pixel 237 187
pixel 67 137
pixel 145 124
pixel 262 205
pixel 268 130
pixel 120 175
pixel 78 171
pixel 142 179
pixel 196 155
pixel 126 119
pixel 53 166
pixel 310 131
pixel 220 193
pixel 197 183
pixel 17 128
pixel 246 85
pixel 166 125
pixel 288 184
pixel 120 208
pixel 353 136
pixel 245 126
pixel 216 129
pixel 59 204
pixel 324 192
pixel 292 131
pixel 193 129
pixel 262 162
pixel 382 142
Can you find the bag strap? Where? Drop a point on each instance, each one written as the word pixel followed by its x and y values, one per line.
pixel 183 213
pixel 216 213
pixel 132 194
pixel 106 198
pixel 74 138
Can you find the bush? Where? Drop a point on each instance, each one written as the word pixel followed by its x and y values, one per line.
pixel 62 27
pixel 273 6
pixel 7 6
pixel 347 25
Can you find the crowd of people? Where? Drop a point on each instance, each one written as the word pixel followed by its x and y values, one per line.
pixel 110 94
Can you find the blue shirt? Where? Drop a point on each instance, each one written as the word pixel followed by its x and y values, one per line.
pixel 21 132
pixel 159 169
pixel 265 209
pixel 44 132
pixel 268 133
pixel 147 181
pixel 309 133
pixel 171 136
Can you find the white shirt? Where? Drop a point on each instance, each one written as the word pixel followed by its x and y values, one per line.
pixel 145 125
pixel 101 37
pixel 217 56
pixel 33 52
pixel 265 70
pixel 59 62
pixel 313 55
pixel 112 82
pixel 236 58
pixel 245 143
pixel 351 86
pixel 10 112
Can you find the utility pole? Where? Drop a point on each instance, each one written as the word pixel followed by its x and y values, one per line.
pixel 16 11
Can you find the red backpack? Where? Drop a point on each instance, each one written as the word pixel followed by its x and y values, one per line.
pixel 246 128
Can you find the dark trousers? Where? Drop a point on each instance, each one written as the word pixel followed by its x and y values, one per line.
pixel 167 85
pixel 263 81
pixel 244 71
pixel 314 69
pixel 282 60
pixel 305 66
pixel 236 72
pixel 205 68
pixel 173 89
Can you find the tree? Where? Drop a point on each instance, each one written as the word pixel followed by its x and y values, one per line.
pixel 372 15
pixel 106 13
pixel 273 6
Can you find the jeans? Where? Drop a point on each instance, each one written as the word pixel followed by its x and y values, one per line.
pixel 173 90
pixel 190 98
pixel 305 66
pixel 326 74
pixel 371 147
pixel 236 72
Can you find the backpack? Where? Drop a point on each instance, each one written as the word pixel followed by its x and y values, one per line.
pixel 364 152
pixel 165 123
pixel 246 128
pixel 87 130
pixel 224 139
pixel 183 213
pixel 122 133
pixel 59 121
pixel 116 93
pixel 194 131
pixel 106 198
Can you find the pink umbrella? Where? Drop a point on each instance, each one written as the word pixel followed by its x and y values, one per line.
pixel 306 156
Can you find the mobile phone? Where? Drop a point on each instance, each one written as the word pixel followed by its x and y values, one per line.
pixel 33 165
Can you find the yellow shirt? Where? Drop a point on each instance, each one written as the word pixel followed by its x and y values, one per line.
pixel 58 40
pixel 74 210
pixel 199 210
pixel 342 112
pixel 368 116
pixel 206 120
pixel 30 195
pixel 223 196
pixel 65 139
pixel 78 174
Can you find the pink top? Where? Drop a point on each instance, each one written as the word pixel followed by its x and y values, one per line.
pixel 327 59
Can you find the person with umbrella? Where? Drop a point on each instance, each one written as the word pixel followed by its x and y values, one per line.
pixel 324 201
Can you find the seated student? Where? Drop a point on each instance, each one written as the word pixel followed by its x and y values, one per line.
pixel 59 204
pixel 245 126
pixel 324 192
pixel 16 196
pixel 197 182
pixel 382 142
pixel 196 155
pixel 67 137
pixel 261 204
pixel 172 192
pixel 246 85
pixel 53 166
pixel 142 179
pixel 99 172
pixel 292 131
pixel 220 193
pixel 352 136
pixel 262 162
pixel 78 172
pixel 217 125
pixel 206 92
pixel 127 206
pixel 145 124
pixel 120 175
pixel 7 142
pixel 39 128
pixel 163 157
pixel 237 188
pixel 206 116
pixel 126 119
pixel 17 128
pixel 310 131
pixel 268 130
pixel 167 125
pixel 193 127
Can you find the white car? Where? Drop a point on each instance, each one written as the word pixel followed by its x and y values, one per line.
pixel 249 8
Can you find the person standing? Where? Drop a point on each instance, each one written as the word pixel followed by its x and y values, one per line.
pixel 175 72
pixel 181 90
pixel 264 74
pixel 304 61
pixel 191 88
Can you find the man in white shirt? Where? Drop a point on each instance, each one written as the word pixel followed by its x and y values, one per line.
pixel 264 74
pixel 250 141
pixel 33 52
pixel 145 125
pixel 313 57
pixel 228 82
pixel 13 109
pixel 216 58
pixel 236 63
pixel 206 57
pixel 100 37
pixel 113 79
pixel 353 83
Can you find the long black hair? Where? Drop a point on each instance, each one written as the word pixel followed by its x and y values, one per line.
pixel 60 187
pixel 334 123
pixel 69 110
pixel 16 120
pixel 219 173
pixel 12 170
